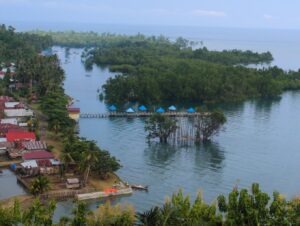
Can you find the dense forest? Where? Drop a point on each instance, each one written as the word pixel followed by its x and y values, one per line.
pixel 155 70
pixel 17 46
pixel 241 207
pixel 152 45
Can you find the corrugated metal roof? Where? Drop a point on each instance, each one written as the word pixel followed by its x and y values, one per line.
pixel 34 145
pixel 29 164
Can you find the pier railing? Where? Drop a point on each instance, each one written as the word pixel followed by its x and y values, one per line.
pixel 137 114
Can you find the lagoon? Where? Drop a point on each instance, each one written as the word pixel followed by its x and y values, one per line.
pixel 259 144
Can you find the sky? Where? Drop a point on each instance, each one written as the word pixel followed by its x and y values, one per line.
pixel 208 13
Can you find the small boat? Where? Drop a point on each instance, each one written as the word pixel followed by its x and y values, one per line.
pixel 139 187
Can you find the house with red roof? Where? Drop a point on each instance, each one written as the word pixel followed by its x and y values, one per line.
pixel 13 136
pixel 5 127
pixel 38 155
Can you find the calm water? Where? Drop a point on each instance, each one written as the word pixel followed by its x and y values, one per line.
pixel 259 144
pixel 9 186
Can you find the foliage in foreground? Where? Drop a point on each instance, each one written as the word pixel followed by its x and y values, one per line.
pixel 241 208
pixel 39 185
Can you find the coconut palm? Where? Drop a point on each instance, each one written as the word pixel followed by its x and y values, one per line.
pixel 40 185
pixel 66 158
pixel 89 157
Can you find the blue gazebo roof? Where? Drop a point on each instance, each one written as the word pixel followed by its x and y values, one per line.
pixel 112 108
pixel 172 108
pixel 142 108
pixel 160 110
pixel 130 110
pixel 191 110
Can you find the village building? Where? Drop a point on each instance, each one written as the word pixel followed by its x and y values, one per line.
pixel 13 136
pixel 34 145
pixel 37 155
pixel 13 121
pixel 15 113
pixel 14 105
pixel 74 113
pixel 5 127
pixel 72 183
pixel 39 162
pixel 5 147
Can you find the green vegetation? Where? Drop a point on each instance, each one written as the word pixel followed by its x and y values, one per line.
pixel 156 70
pixel 19 46
pixel 240 208
pixel 160 126
pixel 40 185
pixel 90 157
pixel 42 77
pixel 208 124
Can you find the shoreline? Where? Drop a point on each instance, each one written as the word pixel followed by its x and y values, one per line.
pixel 94 184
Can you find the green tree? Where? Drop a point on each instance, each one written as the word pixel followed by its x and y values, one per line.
pixel 39 185
pixel 89 158
pixel 160 126
pixel 208 124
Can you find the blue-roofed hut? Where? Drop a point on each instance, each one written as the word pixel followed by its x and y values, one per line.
pixel 160 110
pixel 112 108
pixel 172 108
pixel 130 110
pixel 191 110
pixel 142 108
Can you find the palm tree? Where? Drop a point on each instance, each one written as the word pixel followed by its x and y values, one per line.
pixel 66 158
pixel 40 185
pixel 89 157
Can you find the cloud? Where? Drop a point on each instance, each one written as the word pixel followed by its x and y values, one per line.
pixel 268 17
pixel 211 13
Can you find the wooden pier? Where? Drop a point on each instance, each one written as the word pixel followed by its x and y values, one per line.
pixel 136 114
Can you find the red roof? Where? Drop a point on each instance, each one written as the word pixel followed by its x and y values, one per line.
pixel 5 127
pixel 38 155
pixel 19 135
pixel 73 110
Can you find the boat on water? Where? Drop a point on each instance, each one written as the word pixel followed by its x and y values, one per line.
pixel 139 187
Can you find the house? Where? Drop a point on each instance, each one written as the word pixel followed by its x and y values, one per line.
pixel 34 145
pixel 12 121
pixel 10 105
pixel 6 146
pixel 5 127
pixel 44 166
pixel 6 99
pixel 73 183
pixel 74 113
pixel 38 155
pixel 15 113
pixel 30 168
pixel 48 166
pixel 13 136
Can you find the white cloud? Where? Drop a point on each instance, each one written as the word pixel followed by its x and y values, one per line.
pixel 211 13
pixel 268 17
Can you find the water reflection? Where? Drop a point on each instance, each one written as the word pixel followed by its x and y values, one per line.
pixel 209 155
pixel 265 106
pixel 160 153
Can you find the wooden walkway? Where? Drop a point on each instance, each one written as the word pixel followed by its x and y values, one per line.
pixel 136 114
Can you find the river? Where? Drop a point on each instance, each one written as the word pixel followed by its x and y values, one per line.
pixel 260 143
